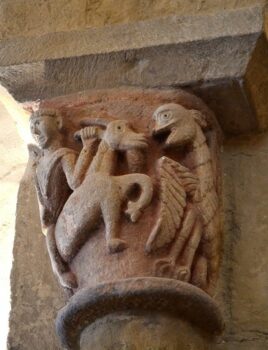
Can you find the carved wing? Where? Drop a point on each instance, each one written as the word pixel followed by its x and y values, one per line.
pixel 176 182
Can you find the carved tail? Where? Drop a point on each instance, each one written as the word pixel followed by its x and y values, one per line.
pixel 209 205
pixel 126 182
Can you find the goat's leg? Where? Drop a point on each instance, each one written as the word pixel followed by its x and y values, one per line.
pixel 60 268
pixel 111 209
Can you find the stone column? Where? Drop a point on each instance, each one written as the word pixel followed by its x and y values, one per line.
pixel 128 183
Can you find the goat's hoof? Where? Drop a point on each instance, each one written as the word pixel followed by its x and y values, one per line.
pixel 68 280
pixel 116 245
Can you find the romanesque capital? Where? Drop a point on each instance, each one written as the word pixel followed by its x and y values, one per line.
pixel 129 187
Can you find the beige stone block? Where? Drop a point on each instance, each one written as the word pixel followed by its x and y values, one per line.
pixel 244 272
pixel 225 66
pixel 35 18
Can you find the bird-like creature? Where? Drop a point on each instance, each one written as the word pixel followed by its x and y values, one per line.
pixel 189 200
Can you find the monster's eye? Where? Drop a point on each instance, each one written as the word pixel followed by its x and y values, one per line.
pixel 166 115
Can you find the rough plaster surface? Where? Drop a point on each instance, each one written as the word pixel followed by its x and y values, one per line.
pixel 38 17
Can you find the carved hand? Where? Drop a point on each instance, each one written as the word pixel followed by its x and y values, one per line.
pixel 88 135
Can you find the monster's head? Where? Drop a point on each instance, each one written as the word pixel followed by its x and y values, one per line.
pixel 177 123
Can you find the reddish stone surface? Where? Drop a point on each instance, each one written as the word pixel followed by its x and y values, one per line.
pixel 93 264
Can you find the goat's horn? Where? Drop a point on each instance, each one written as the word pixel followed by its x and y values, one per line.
pixel 95 121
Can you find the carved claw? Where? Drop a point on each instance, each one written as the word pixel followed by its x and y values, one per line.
pixel 68 280
pixel 116 245
pixel 183 273
pixel 133 211
pixel 164 268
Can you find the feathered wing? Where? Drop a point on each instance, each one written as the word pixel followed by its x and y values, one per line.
pixel 175 182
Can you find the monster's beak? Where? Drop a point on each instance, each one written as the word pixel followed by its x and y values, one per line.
pixel 157 130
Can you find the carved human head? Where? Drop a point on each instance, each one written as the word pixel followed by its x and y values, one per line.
pixel 178 122
pixel 45 126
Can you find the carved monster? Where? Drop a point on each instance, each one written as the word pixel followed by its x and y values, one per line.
pixel 189 209
pixel 102 194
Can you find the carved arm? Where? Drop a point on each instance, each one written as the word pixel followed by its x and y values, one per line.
pixel 75 169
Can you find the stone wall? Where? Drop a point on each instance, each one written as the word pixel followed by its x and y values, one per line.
pixel 31 18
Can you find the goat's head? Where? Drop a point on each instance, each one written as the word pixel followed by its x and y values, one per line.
pixel 118 134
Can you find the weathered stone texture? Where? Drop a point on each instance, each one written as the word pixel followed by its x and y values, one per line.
pixel 245 23
pixel 245 344
pixel 256 80
pixel 39 17
pixel 35 294
pixel 244 273
pixel 143 332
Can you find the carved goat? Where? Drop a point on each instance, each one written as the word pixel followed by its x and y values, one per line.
pixel 102 194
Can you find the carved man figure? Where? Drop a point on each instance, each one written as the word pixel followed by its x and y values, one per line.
pixel 58 172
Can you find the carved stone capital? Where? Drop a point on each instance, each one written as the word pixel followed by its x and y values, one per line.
pixel 129 186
